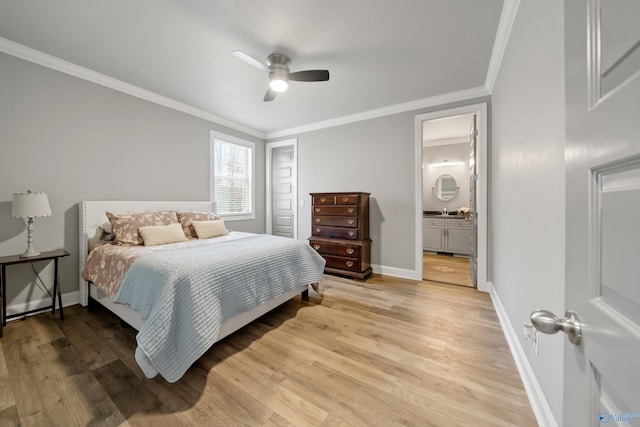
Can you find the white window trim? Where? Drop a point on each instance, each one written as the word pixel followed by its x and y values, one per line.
pixel 252 146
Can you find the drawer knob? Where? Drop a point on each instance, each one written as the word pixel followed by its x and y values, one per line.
pixel 351 233
pixel 317 220
pixel 350 221
pixel 317 210
pixel 316 247
pixel 349 263
pixel 345 199
pixel 317 230
pixel 350 251
pixel 323 199
pixel 350 210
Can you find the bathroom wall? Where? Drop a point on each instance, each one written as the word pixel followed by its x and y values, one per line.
pixel 440 153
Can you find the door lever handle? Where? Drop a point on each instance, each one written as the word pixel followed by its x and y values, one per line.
pixel 548 323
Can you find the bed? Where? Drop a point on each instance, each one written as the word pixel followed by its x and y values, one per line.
pixel 182 303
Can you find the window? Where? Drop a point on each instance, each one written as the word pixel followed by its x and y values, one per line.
pixel 232 186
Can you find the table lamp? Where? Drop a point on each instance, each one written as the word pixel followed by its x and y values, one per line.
pixel 30 205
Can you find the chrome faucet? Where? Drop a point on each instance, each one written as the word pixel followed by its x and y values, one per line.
pixel 444 211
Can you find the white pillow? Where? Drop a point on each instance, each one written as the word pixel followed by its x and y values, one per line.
pixel 153 235
pixel 208 229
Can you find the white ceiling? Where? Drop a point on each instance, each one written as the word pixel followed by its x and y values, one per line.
pixel 448 130
pixel 380 53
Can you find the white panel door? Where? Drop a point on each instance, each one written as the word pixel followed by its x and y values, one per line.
pixel 602 373
pixel 282 191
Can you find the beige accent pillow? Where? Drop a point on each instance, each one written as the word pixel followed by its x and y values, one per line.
pixel 154 235
pixel 125 226
pixel 208 229
pixel 185 219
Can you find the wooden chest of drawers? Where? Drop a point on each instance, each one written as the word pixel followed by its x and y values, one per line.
pixel 340 232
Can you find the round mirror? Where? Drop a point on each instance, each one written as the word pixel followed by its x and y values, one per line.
pixel 445 187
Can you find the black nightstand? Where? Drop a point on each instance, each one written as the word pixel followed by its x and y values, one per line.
pixel 17 259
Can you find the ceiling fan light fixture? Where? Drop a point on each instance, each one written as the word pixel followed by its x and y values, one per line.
pixel 278 84
pixel 279 79
pixel 279 73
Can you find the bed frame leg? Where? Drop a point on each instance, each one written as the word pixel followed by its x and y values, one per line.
pixel 305 295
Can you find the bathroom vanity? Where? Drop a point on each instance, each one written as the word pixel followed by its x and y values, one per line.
pixel 446 233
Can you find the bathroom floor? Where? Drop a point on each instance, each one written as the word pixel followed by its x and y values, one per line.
pixel 446 269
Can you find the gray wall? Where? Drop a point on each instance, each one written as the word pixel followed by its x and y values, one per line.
pixel 452 153
pixel 76 140
pixel 377 156
pixel 527 192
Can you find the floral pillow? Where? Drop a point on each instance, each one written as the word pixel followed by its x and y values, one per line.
pixel 185 219
pixel 125 226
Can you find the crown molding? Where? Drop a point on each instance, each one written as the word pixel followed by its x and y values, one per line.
pixel 507 17
pixel 37 57
pixel 419 104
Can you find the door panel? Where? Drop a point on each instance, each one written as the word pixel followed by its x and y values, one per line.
pixel 432 239
pixel 619 47
pixel 282 191
pixel 602 379
pixel 458 240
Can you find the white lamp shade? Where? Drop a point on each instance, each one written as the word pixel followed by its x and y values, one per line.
pixel 30 205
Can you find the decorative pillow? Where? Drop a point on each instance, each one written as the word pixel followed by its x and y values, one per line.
pixel 102 235
pixel 125 227
pixel 185 219
pixel 208 229
pixel 154 235
pixel 106 227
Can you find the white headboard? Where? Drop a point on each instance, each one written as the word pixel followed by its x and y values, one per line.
pixel 92 215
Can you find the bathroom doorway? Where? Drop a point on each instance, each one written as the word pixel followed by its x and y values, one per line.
pixel 452 220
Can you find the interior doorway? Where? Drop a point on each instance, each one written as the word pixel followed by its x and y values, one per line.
pixel 448 169
pixel 454 240
pixel 282 188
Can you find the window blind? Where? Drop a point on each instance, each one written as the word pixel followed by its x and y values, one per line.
pixel 232 177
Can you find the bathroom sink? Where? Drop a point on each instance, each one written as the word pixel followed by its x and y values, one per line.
pixel 441 215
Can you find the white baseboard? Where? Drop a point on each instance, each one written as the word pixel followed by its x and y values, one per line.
pixel 69 298
pixel 539 404
pixel 396 272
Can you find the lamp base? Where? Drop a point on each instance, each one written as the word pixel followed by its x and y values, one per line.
pixel 29 254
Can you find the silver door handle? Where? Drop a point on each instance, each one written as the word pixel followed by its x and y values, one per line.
pixel 548 323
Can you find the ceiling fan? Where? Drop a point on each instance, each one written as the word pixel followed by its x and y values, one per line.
pixel 279 74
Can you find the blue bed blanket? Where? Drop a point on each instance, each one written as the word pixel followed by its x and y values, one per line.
pixel 184 296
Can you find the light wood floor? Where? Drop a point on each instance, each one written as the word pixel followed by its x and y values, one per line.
pixel 380 353
pixel 446 269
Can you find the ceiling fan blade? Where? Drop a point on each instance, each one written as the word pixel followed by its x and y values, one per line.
pixel 270 95
pixel 250 60
pixel 310 76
